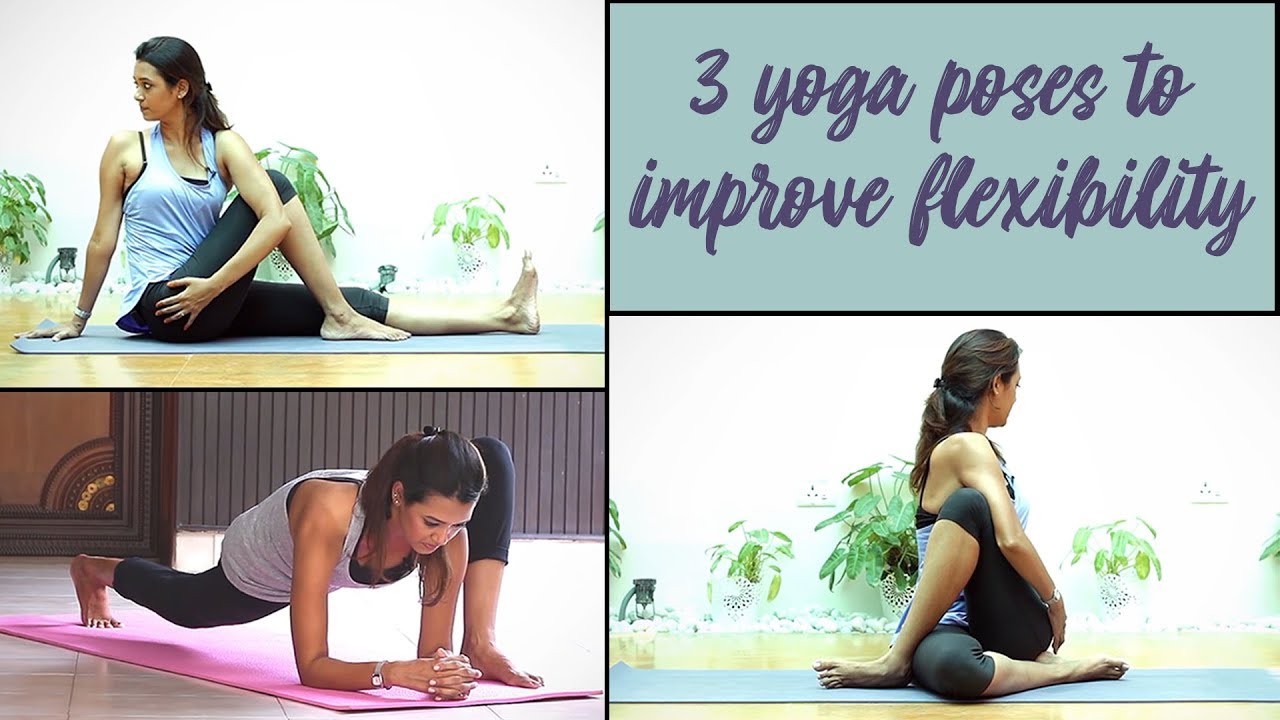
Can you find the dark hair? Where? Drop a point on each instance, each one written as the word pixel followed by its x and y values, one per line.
pixel 432 462
pixel 177 60
pixel 972 363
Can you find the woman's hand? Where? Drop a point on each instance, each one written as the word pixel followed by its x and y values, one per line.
pixel 1058 622
pixel 57 332
pixel 187 304
pixel 444 677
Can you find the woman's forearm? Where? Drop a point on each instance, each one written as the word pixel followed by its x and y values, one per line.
pixel 266 235
pixel 97 259
pixel 1023 557
pixel 337 675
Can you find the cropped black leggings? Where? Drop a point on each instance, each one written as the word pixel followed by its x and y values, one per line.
pixel 1005 613
pixel 208 599
pixel 247 306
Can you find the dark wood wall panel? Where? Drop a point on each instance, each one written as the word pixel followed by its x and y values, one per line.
pixel 235 448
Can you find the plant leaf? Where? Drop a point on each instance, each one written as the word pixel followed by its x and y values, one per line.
pixel 773 587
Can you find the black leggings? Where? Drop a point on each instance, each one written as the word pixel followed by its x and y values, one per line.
pixel 1005 613
pixel 247 306
pixel 208 599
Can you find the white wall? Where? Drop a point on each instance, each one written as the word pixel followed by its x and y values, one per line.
pixel 407 104
pixel 714 420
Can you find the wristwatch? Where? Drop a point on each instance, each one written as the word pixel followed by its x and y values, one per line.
pixel 1055 597
pixel 80 313
pixel 377 675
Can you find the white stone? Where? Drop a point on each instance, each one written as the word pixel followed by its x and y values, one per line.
pixel 828 625
pixel 859 624
pixel 642 625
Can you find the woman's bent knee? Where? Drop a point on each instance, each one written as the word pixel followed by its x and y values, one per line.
pixel 969 509
pixel 284 188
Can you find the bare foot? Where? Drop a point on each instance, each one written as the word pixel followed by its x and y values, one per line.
pixel 92 595
pixel 881 672
pixel 494 665
pixel 358 327
pixel 1099 667
pixel 520 311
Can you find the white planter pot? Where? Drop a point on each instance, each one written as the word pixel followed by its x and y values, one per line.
pixel 737 600
pixel 1119 599
pixel 894 602
pixel 471 262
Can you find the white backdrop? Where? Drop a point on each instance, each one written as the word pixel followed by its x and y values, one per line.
pixel 407 104
pixel 718 419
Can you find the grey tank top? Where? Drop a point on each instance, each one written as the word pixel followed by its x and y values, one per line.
pixel 257 550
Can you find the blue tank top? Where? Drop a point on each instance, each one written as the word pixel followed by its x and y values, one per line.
pixel 166 217
pixel 957 614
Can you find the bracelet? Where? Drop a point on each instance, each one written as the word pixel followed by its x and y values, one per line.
pixel 81 314
pixel 1056 597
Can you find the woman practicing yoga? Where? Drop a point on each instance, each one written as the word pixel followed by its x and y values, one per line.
pixel 992 639
pixel 190 272
pixel 433 501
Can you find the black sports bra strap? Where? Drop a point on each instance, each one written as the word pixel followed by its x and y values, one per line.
pixel 142 145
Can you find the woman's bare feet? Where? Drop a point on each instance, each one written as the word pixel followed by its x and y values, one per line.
pixel 494 665
pixel 884 671
pixel 1099 667
pixel 520 311
pixel 92 594
pixel 358 327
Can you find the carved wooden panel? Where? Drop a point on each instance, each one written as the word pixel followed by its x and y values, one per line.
pixel 68 492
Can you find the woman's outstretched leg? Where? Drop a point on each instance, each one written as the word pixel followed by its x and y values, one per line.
pixel 1013 676
pixel 517 314
pixel 341 322
pixel 951 558
pixel 92 576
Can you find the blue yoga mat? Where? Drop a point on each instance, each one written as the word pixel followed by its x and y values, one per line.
pixel 629 685
pixel 100 339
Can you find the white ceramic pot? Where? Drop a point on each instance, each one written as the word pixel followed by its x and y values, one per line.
pixel 737 600
pixel 894 602
pixel 1119 601
pixel 471 261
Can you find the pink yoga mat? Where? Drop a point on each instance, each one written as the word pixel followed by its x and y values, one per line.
pixel 241 656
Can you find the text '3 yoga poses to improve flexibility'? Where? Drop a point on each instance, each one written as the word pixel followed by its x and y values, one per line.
pixel 190 271
pixel 434 501
pixel 986 618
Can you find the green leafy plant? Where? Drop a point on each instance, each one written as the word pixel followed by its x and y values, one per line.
pixel 18 214
pixel 615 556
pixel 599 223
pixel 472 221
pixel 1273 546
pixel 323 206
pixel 759 549
pixel 880 537
pixel 1126 549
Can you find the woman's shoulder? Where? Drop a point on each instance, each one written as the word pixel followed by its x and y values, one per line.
pixel 962 444
pixel 329 501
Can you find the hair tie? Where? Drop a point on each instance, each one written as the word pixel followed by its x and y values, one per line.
pixel 208 86
pixel 937 382
pixel 431 430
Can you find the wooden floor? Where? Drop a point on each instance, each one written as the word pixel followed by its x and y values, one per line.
pixel 730 651
pixel 21 313
pixel 546 614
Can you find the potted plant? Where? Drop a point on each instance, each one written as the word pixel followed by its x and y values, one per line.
pixel 472 221
pixel 19 218
pixel 759 549
pixel 323 206
pixel 1125 552
pixel 1273 546
pixel 615 556
pixel 879 542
